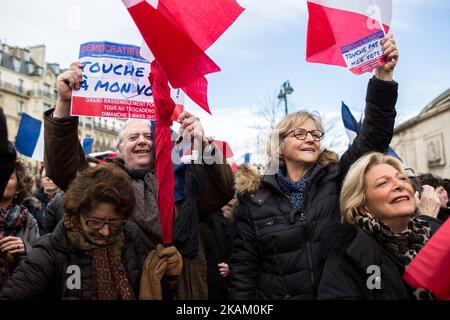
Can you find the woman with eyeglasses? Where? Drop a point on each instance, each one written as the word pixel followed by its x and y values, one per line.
pixel 284 217
pixel 91 254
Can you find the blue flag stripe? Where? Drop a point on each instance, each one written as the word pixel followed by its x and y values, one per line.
pixel 87 145
pixel 28 135
pixel 351 124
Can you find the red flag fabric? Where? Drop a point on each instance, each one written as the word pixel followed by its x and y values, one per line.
pixel 163 145
pixel 223 147
pixel 177 111
pixel 178 32
pixel 430 269
pixel 335 26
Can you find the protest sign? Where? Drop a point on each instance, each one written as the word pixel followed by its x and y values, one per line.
pixel 364 55
pixel 115 83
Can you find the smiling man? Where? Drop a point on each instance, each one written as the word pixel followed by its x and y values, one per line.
pixel 136 144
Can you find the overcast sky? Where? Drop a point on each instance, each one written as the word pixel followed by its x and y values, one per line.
pixel 264 48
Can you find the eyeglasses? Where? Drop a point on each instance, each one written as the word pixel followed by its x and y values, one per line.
pixel 97 224
pixel 301 134
pixel 415 182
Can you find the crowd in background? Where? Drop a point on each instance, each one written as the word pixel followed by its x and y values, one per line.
pixel 92 231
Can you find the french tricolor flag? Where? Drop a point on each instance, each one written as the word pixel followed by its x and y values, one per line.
pixel 338 26
pixel 353 128
pixel 30 138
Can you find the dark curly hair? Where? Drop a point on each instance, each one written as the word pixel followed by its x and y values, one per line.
pixel 104 183
pixel 430 180
pixel 24 182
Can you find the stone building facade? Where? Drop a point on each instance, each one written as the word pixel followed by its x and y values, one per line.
pixel 423 142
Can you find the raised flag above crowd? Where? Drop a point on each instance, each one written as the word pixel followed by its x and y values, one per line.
pixel 348 33
pixel 178 32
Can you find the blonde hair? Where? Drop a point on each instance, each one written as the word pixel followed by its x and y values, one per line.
pixel 354 187
pixel 288 123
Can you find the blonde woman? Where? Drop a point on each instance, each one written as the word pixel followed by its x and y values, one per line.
pixel 381 236
pixel 283 219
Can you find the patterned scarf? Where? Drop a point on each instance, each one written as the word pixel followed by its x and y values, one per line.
pixel 12 220
pixel 293 189
pixel 401 247
pixel 110 279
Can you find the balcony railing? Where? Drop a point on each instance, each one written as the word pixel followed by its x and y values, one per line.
pixel 46 94
pixel 105 127
pixel 14 89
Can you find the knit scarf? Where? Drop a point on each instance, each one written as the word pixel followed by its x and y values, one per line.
pixel 110 281
pixel 401 247
pixel 293 189
pixel 12 220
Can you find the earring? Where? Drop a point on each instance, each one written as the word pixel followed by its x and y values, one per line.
pixel 364 213
pixel 367 214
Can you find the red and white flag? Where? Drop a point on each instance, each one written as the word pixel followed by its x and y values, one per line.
pixel 348 32
pixel 178 32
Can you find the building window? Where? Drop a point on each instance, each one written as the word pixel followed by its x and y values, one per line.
pixel 20 85
pixel 46 106
pixel 88 126
pixel 16 63
pixel 20 108
pixel 46 90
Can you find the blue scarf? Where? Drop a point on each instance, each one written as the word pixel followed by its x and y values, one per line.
pixel 293 189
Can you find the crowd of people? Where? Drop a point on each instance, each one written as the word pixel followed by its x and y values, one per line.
pixel 91 231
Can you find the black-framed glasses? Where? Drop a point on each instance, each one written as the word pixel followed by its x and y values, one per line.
pixel 97 224
pixel 301 134
pixel 414 180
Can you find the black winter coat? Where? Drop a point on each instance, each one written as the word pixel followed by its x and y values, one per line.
pixel 217 233
pixel 349 272
pixel 277 251
pixel 44 273
pixel 53 213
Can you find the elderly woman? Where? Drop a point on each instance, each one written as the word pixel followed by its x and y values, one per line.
pixel 18 229
pixel 381 235
pixel 283 218
pixel 91 254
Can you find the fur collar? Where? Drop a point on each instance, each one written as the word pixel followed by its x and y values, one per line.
pixel 248 179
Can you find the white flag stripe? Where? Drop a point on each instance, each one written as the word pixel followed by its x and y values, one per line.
pixel 38 153
pixel 131 3
pixel 363 7
pixel 146 53
pixel 350 134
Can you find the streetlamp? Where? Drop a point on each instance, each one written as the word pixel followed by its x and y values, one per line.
pixel 284 91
